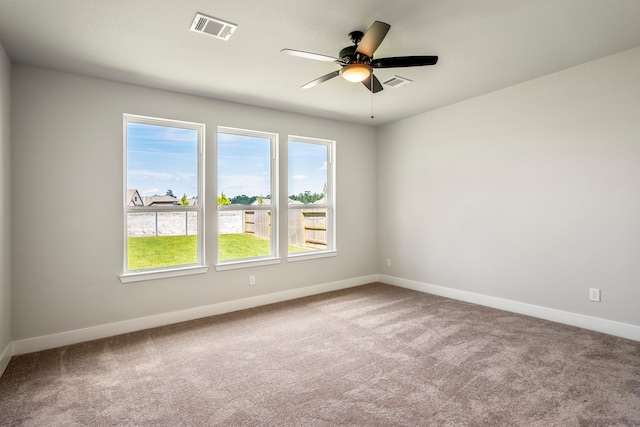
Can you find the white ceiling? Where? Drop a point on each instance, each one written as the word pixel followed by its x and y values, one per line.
pixel 483 46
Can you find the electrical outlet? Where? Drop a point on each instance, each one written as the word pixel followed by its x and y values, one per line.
pixel 252 280
pixel 594 294
pixel 388 262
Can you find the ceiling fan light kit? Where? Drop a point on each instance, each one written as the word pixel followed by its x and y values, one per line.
pixel 356 72
pixel 357 61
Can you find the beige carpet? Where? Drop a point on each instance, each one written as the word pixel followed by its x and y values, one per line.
pixel 374 355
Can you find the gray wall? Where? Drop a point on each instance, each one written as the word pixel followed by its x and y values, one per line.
pixel 5 190
pixel 528 194
pixel 67 203
pixel 531 193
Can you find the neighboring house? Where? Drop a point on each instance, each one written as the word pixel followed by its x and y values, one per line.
pixel 161 201
pixel 133 198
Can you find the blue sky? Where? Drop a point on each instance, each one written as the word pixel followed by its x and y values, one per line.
pixel 160 158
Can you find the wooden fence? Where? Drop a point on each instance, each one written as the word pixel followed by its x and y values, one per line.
pixel 257 223
pixel 307 227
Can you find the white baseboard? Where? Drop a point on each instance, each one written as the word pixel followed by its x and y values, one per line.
pixel 5 357
pixel 31 345
pixel 610 327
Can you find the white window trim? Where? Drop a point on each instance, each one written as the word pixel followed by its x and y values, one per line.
pixel 172 271
pixel 295 257
pixel 274 258
pixel 247 263
pixel 140 276
pixel 332 249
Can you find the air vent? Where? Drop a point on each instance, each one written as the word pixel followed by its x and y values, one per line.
pixel 212 27
pixel 397 81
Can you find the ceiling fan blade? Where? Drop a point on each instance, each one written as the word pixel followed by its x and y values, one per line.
pixel 309 55
pixel 404 61
pixel 377 86
pixel 372 38
pixel 321 79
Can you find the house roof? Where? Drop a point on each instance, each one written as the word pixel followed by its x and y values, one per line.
pixel 131 194
pixel 160 200
pixel 482 46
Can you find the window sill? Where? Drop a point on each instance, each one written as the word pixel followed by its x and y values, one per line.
pixel 314 255
pixel 233 265
pixel 162 274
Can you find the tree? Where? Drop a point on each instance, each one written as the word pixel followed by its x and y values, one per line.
pixel 242 200
pixel 184 201
pixel 307 197
pixel 170 193
pixel 223 200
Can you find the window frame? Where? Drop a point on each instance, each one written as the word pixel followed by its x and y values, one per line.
pixel 177 270
pixel 273 207
pixel 331 249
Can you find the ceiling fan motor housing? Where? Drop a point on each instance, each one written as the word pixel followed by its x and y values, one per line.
pixel 349 55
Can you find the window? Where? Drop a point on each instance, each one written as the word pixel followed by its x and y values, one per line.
pixel 247 198
pixel 311 202
pixel 163 198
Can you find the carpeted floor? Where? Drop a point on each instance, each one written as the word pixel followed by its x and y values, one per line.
pixel 375 355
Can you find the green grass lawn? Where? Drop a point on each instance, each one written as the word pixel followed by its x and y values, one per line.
pixel 234 246
pixel 164 251
pixel 161 251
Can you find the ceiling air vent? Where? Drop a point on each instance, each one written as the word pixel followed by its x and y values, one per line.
pixel 397 81
pixel 212 27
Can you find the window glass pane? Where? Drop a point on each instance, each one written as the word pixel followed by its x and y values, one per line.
pixel 162 163
pixel 161 239
pixel 309 207
pixel 307 172
pixel 244 168
pixel 244 196
pixel 307 229
pixel 252 237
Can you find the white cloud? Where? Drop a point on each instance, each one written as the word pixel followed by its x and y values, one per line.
pixel 324 167
pixel 298 177
pixel 147 174
pixel 249 185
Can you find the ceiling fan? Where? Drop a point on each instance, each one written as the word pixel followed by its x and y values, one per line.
pixel 357 62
